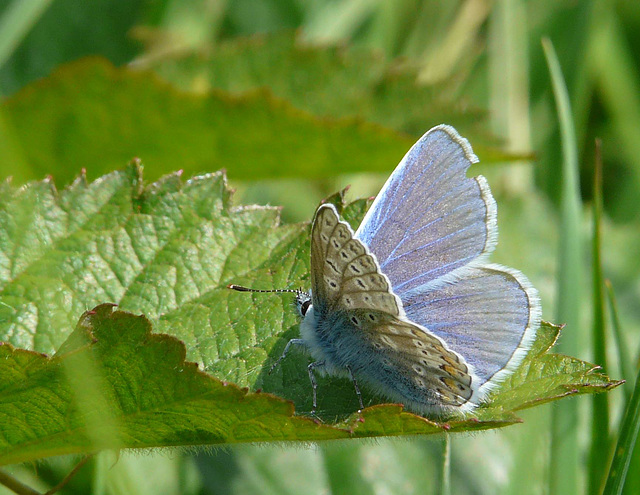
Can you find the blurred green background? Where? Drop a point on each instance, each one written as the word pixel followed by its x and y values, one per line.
pixel 298 98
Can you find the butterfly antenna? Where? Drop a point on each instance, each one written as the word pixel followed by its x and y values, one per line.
pixel 241 288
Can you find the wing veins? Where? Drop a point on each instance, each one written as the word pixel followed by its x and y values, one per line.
pixel 410 189
pixel 440 219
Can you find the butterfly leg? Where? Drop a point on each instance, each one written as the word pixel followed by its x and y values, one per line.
pixel 355 385
pixel 284 353
pixel 314 385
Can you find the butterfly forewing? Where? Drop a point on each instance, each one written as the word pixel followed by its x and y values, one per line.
pixel 343 273
pixel 429 218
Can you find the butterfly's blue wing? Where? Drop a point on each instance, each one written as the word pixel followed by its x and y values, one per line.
pixel 431 229
pixel 429 218
pixel 486 313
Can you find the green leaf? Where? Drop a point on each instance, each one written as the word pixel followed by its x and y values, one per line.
pixel 168 250
pixel 90 108
pixel 544 376
pixel 337 82
pixel 353 212
pixel 113 384
pixel 323 80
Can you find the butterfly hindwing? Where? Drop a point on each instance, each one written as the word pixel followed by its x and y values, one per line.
pixel 488 313
pixel 409 358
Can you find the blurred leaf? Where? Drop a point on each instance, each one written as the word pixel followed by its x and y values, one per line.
pixel 250 16
pixel 169 249
pixel 323 80
pixel 90 109
pixel 331 81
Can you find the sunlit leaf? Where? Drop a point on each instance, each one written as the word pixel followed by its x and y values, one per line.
pixel 168 250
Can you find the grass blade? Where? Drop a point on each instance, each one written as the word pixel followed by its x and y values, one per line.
pixel 15 23
pixel 626 442
pixel 445 476
pixel 624 359
pixel 632 480
pixel 564 437
pixel 600 412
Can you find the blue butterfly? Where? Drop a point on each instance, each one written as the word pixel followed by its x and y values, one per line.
pixel 409 303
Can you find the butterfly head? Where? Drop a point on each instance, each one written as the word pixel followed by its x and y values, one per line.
pixel 303 302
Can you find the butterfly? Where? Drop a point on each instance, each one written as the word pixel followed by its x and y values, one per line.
pixel 409 303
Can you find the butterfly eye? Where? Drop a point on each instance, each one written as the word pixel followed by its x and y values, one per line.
pixel 304 307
